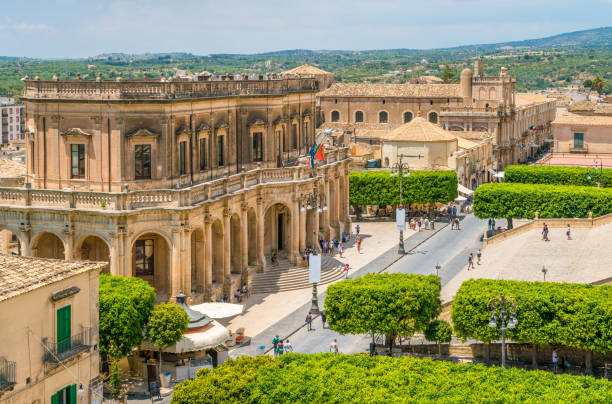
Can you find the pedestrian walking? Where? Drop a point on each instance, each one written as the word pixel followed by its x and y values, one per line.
pixel 493 224
pixel 567 232
pixel 432 224
pixel 426 221
pixel 340 249
pixel 309 321
pixel 555 359
pixel 457 223
pixel 470 261
pixel 490 223
pixel 454 211
pixel 323 318
pixel 546 232
pixel 452 222
pixel 346 271
pixel 333 347
pixel 275 341
pixel 478 255
pixel 281 348
pixel 357 229
pixel 359 244
pixel 288 346
pixel 419 224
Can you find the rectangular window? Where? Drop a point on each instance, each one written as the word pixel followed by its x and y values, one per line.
pixel 294 136
pixel 63 329
pixel 144 257
pixel 182 158
pixel 203 152
pixel 305 134
pixel 142 161
pixel 67 395
pixel 578 140
pixel 220 154
pixel 77 161
pixel 285 141
pixel 257 146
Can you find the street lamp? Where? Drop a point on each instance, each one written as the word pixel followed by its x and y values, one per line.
pixel 497 307
pixel 596 164
pixel 398 169
pixel 314 307
pixel 544 271
pixel 438 267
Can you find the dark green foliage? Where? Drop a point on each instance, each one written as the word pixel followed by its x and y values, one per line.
pixel 556 175
pixel 511 200
pixel 390 304
pixel 125 306
pixel 439 331
pixel 448 75
pixel 574 315
pixel 166 325
pixel 380 188
pixel 115 380
pixel 327 378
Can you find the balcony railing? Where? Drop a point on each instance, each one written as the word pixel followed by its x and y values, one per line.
pixel 7 374
pixel 59 351
pixel 161 198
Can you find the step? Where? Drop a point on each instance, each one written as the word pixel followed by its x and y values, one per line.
pixel 301 281
pixel 288 276
pixel 304 284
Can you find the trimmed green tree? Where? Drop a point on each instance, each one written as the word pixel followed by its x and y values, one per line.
pixel 439 331
pixel 166 325
pixel 396 305
pixel 380 188
pixel 555 175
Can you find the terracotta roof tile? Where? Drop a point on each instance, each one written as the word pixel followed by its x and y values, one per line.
pixel 306 69
pixel 19 275
pixel 11 169
pixel 392 90
pixel 588 120
pixel 419 130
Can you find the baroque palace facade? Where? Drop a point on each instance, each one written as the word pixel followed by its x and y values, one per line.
pixel 478 103
pixel 188 183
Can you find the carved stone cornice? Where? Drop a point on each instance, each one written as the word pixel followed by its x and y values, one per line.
pixel 221 125
pixel 142 133
pixel 96 119
pixel 75 132
pixel 227 212
pixel 204 127
pixel 183 130
pixel 244 206
pixel 257 123
pixel 56 118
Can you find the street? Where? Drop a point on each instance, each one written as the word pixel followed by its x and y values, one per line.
pixel 448 248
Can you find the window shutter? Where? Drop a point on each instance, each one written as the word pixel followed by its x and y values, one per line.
pixel 63 329
pixel 73 394
pixel 55 398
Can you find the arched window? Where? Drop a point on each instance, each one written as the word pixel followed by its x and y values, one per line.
pixel 335 116
pixel 407 117
pixel 433 117
pixel 482 93
pixel 359 116
pixel 383 117
pixel 492 93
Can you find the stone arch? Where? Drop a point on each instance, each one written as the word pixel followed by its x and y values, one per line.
pixel 458 128
pixel 342 213
pixel 151 261
pixel 93 247
pixel 492 93
pixel 383 117
pixel 407 116
pixel 12 241
pixel 277 229
pixel 218 255
pixel 358 116
pixel 235 244
pixel 198 270
pixel 335 116
pixel 432 117
pixel 48 244
pixel 252 236
pixel 482 93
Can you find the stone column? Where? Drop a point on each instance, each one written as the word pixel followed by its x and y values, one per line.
pixel 261 259
pixel 207 257
pixel 227 260
pixel 69 247
pixel 114 264
pixel 295 231
pixel 326 213
pixel 186 262
pixel 345 202
pixel 302 229
pixel 164 152
pixel 315 235
pixel 244 235
pixel 175 263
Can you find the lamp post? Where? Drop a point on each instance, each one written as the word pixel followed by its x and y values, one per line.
pixel 313 204
pixel 398 170
pixel 438 267
pixel 499 311
pixel 544 271
pixel 596 164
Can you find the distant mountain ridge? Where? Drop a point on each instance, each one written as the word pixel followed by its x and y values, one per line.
pixel 590 37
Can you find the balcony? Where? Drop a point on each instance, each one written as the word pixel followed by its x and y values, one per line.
pixel 59 351
pixel 579 149
pixel 7 374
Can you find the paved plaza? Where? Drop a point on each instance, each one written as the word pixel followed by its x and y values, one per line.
pixel 585 258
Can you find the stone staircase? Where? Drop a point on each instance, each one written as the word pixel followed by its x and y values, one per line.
pixel 286 276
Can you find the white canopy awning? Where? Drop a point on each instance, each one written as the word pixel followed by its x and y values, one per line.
pixel 492 171
pixel 549 140
pixel 535 146
pixel 464 190
pixel 460 198
pixel 212 335
pixel 499 174
pixel 219 310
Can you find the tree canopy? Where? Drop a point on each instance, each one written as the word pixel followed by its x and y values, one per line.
pixel 556 175
pixel 166 325
pixel 125 306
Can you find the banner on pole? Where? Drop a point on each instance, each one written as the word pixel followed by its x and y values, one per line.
pixel 314 266
pixel 400 219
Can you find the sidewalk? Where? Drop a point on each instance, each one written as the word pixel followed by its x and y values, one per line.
pixel 294 319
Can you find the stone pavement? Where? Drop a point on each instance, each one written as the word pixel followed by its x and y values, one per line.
pixel 586 258
pixel 380 259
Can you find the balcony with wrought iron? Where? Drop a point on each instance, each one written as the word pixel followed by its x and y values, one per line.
pixel 60 351
pixel 7 374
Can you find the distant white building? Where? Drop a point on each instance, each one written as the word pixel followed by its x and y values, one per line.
pixel 13 122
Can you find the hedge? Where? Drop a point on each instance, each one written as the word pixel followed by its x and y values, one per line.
pixel 574 315
pixel 556 175
pixel 328 378
pixel 509 200
pixel 380 188
pixel 390 304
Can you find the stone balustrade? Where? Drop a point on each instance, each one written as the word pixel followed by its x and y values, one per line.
pixel 161 198
pixel 156 89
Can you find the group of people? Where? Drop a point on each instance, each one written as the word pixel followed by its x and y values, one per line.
pixel 241 293
pixel 491 224
pixel 281 346
pixel 328 247
pixel 417 223
pixel 559 364
pixel 471 259
pixel 545 232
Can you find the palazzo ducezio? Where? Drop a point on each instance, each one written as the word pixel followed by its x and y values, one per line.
pixel 189 184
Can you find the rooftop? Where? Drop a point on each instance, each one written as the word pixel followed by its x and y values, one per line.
pixel 392 90
pixel 11 169
pixel 522 99
pixel 306 69
pixel 569 118
pixel 419 130
pixel 19 275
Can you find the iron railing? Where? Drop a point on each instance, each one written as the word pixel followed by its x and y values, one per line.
pixel 7 374
pixel 59 351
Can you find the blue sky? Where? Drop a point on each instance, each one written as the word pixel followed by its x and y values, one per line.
pixel 81 28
